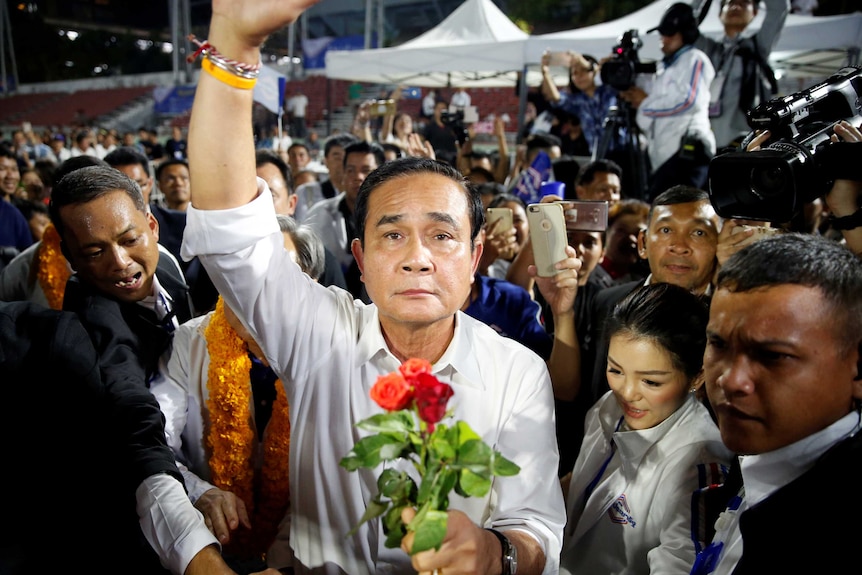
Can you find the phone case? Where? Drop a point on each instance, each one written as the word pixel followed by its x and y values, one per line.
pixel 585 215
pixel 548 236
pixel 495 214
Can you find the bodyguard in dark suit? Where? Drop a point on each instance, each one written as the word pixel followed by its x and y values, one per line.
pixel 110 239
pixel 73 472
pixel 782 368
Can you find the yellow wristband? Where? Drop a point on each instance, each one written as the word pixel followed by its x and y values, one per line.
pixel 226 77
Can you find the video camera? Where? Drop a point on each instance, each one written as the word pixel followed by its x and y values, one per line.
pixel 457 119
pixel 799 163
pixel 620 71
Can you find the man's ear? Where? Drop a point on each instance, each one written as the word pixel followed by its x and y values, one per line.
pixel 153 223
pixel 857 377
pixel 358 254
pixel 642 244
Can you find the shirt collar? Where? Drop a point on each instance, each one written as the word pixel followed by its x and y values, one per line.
pixel 458 364
pixel 765 473
pixel 159 302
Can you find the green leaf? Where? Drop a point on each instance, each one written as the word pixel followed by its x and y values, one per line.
pixel 375 508
pixel 370 451
pixel 473 485
pixel 465 433
pixel 396 485
pixel 395 421
pixel 441 447
pixel 393 527
pixel 503 467
pixel 429 531
pixel 476 456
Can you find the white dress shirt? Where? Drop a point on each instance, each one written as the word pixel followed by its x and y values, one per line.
pixel 329 351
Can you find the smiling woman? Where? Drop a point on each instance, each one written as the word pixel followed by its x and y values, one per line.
pixel 652 425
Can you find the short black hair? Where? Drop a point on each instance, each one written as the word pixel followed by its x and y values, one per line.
pixel 76 163
pixel 170 162
pixel 505 198
pixel 805 260
pixel 365 148
pixel 128 156
pixel 86 184
pixel 669 315
pixel 674 195
pixel 404 167
pixel 390 147
pixel 588 174
pixel 338 141
pixel 264 156
pixel 6 152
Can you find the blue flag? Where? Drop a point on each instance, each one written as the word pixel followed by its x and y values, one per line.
pixel 528 187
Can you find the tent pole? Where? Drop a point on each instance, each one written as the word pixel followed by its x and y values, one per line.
pixel 522 103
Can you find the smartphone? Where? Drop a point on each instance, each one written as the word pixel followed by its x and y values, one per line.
pixel 381 108
pixel 503 215
pixel 563 59
pixel 585 215
pixel 547 235
pixel 760 232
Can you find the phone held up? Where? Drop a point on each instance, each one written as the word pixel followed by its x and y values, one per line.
pixel 502 215
pixel 547 235
pixel 585 215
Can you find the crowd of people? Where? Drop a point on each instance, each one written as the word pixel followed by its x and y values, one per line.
pixel 202 320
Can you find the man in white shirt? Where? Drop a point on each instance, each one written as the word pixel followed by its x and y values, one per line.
pixel 416 222
pixel 782 369
pixel 296 107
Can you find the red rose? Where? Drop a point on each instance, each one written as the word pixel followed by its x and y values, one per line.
pixel 431 398
pixel 413 367
pixel 391 392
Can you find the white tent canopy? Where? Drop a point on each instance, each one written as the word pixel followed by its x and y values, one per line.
pixel 475 46
pixel 830 37
pixel 478 46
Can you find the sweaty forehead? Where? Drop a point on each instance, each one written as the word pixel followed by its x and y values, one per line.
pixel 690 212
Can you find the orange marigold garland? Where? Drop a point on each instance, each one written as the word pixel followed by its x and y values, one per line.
pixel 52 268
pixel 231 438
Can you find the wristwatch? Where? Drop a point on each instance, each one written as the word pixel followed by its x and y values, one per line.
pixel 510 554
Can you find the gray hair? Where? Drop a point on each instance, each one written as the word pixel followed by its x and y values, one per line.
pixel 309 249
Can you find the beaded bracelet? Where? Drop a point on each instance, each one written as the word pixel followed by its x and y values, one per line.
pixel 231 72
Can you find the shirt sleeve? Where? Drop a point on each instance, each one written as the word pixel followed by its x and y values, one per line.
pixel 169 522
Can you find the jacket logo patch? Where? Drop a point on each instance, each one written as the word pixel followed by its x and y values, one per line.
pixel 620 513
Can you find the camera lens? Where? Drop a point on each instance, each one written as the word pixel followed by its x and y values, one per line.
pixel 769 181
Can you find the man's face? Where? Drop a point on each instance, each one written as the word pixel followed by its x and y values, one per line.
pixel 776 366
pixel 9 176
pixel 112 245
pixel 680 244
pixel 298 158
pixel 38 222
pixel 417 264
pixel 588 246
pixel 356 168
pixel 136 172
pixel 622 239
pixel 283 201
pixel 670 44
pixel 737 13
pixel 334 161
pixel 605 186
pixel 174 183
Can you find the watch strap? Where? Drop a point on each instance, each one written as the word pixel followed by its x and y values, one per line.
pixel 509 558
pixel 850 222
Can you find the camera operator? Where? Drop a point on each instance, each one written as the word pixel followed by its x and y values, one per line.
pixel 584 99
pixel 673 113
pixel 743 78
pixel 441 136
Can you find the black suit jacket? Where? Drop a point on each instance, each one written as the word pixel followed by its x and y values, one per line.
pixel 76 444
pixel 127 335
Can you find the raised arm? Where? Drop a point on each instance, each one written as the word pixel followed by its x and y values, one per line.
pixel 221 142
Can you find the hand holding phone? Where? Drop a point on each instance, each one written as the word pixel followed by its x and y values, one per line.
pixel 547 236
pixel 501 215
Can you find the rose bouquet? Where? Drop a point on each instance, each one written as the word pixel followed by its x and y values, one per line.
pixel 445 457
